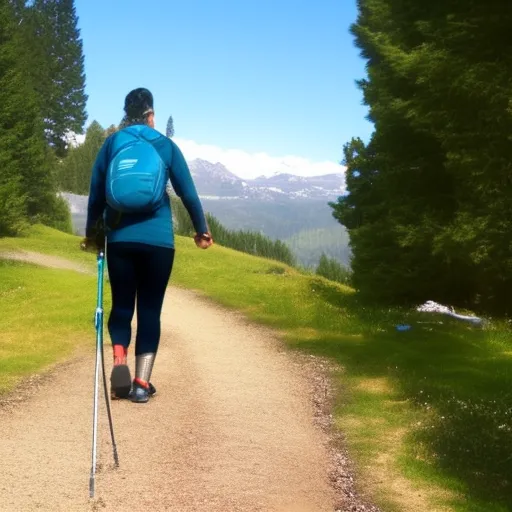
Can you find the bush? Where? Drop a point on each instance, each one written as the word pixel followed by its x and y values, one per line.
pixel 12 210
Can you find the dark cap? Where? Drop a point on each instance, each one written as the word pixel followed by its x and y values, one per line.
pixel 138 103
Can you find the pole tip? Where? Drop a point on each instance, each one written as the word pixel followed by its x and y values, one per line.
pixel 91 487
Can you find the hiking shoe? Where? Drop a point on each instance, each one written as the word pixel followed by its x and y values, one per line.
pixel 141 391
pixel 120 382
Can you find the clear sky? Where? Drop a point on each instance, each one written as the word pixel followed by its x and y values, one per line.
pixel 263 86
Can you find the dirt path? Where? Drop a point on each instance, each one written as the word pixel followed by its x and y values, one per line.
pixel 45 260
pixel 230 429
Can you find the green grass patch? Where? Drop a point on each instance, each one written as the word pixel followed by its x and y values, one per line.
pixel 46 240
pixel 46 316
pixel 427 413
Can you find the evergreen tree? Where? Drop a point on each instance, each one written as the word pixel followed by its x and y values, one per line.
pixel 169 130
pixel 76 168
pixel 111 129
pixel 333 270
pixel 56 64
pixel 13 201
pixel 27 186
pixel 428 210
pixel 182 224
pixel 27 176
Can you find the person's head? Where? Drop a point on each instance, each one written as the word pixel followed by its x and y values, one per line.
pixel 138 108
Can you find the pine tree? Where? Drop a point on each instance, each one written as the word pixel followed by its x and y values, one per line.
pixel 169 130
pixel 182 223
pixel 76 168
pixel 27 174
pixel 428 207
pixel 12 199
pixel 111 130
pixel 331 269
pixel 25 179
pixel 56 65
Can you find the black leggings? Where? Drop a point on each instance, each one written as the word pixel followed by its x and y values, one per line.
pixel 137 271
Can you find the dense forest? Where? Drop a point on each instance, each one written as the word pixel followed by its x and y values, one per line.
pixel 42 100
pixel 428 208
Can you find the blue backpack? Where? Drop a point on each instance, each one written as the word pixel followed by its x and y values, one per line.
pixel 136 177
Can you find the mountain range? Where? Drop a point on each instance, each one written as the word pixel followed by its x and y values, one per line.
pixel 214 181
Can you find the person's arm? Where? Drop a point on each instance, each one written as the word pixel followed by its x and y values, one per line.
pixel 96 205
pixel 183 185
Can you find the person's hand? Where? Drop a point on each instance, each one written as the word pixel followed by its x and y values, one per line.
pixel 94 240
pixel 203 241
pixel 91 245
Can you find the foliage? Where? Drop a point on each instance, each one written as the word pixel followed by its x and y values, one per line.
pixel 12 208
pixel 169 130
pixel 28 181
pixel 428 207
pixel 240 240
pixel 181 219
pixel 55 62
pixel 309 245
pixel 58 215
pixel 111 130
pixel 333 270
pixel 75 170
pixel 13 201
pixel 250 242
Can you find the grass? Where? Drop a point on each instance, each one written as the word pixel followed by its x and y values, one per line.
pixel 46 316
pixel 48 241
pixel 427 413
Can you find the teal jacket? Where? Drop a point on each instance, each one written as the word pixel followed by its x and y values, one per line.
pixel 153 228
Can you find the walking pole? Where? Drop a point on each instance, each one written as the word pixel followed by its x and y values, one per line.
pixel 98 322
pixel 105 390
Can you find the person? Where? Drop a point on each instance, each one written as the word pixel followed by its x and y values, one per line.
pixel 139 243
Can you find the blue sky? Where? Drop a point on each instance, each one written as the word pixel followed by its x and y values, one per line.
pixel 273 78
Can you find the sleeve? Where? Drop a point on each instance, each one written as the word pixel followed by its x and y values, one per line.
pixel 96 205
pixel 183 185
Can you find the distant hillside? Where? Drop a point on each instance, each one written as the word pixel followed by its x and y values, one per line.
pixel 309 245
pixel 276 219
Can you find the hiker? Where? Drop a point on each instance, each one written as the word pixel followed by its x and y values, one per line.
pixel 128 196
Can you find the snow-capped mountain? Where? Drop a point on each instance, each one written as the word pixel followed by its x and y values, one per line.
pixel 214 181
